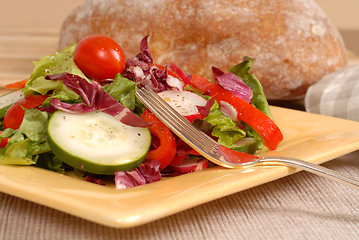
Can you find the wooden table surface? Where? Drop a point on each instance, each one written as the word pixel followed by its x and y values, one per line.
pixel 28 31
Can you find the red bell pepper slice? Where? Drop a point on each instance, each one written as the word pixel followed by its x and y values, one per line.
pixel 192 117
pixel 166 151
pixel 249 114
pixel 16 85
pixel 235 156
pixel 180 73
pixel 3 141
pixel 15 114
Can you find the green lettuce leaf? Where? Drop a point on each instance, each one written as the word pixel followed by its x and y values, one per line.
pixel 243 71
pixel 227 131
pixel 251 133
pixel 123 90
pixel 54 64
pixel 50 162
pixel 27 142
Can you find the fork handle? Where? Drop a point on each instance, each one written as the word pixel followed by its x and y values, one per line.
pixel 311 167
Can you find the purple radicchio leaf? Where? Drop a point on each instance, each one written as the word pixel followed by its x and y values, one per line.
pixel 145 54
pixel 94 180
pixel 70 108
pixel 233 84
pixel 205 110
pixel 151 171
pixel 50 109
pixel 137 177
pixel 147 172
pixel 122 180
pixel 143 72
pixel 95 99
pixel 146 75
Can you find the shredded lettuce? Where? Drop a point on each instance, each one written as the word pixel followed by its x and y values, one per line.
pixel 27 142
pixel 227 131
pixel 54 64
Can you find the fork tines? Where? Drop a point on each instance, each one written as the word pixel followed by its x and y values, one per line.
pixel 176 122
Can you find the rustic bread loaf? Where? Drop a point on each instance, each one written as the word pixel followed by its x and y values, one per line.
pixel 293 41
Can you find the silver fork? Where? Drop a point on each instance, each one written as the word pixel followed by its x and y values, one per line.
pixel 219 154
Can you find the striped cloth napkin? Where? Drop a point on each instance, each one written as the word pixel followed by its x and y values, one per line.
pixel 336 94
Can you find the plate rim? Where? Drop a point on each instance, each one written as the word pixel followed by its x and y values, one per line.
pixel 236 180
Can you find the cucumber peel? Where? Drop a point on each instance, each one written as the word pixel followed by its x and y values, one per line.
pixel 96 142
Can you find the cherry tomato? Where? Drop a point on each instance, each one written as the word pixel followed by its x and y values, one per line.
pixel 15 114
pixel 99 57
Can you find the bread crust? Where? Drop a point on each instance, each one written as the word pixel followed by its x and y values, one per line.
pixel 293 41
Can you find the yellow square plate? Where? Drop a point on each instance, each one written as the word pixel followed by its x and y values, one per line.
pixel 310 137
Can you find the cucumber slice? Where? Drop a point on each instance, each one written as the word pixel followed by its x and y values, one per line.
pixel 10 98
pixel 247 144
pixel 96 142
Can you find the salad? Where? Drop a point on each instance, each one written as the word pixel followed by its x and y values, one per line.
pixel 78 112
